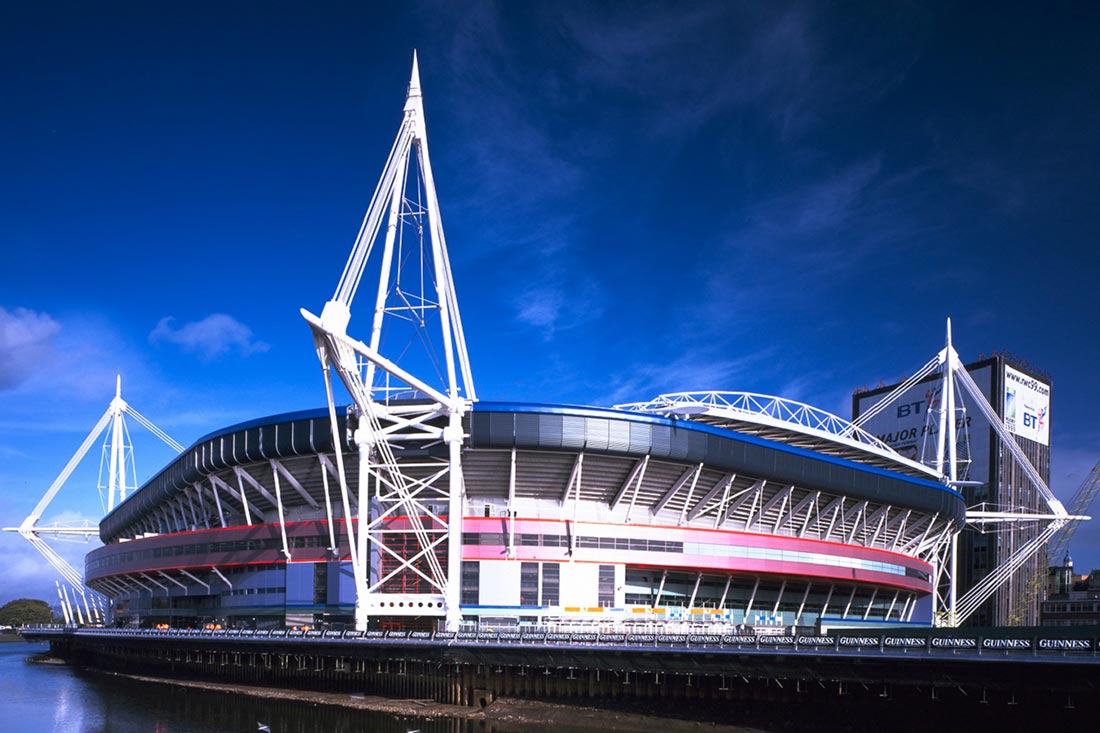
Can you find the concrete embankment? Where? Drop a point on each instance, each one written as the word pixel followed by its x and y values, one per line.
pixel 503 714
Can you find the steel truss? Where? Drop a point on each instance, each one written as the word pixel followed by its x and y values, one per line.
pixel 828 433
pixel 950 609
pixel 767 415
pixel 415 286
pixel 118 461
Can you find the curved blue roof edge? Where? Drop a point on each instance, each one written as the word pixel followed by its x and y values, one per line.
pixel 268 420
pixel 246 425
pixel 587 411
pixel 611 413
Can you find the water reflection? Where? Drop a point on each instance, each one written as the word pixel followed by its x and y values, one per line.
pixel 61 699
pixel 141 706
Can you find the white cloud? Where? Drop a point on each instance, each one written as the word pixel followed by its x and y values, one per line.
pixel 789 66
pixel 541 307
pixel 75 357
pixel 557 305
pixel 26 574
pixel 210 338
pixel 699 369
pixel 26 340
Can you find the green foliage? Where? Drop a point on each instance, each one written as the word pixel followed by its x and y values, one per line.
pixel 25 611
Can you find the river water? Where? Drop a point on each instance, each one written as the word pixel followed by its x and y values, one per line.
pixel 57 698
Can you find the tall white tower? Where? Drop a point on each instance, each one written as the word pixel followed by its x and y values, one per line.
pixel 415 297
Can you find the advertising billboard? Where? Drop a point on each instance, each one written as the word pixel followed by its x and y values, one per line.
pixel 1026 406
pixel 911 424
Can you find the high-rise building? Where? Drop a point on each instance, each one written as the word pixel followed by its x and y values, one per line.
pixel 990 478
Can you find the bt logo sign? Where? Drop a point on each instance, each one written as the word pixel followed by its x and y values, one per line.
pixel 910 408
pixel 1034 420
pixel 931 397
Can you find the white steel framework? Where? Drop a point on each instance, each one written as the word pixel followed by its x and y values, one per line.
pixel 416 289
pixel 769 416
pixel 949 608
pixel 785 420
pixel 118 461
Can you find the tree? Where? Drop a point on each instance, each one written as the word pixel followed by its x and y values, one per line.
pixel 24 611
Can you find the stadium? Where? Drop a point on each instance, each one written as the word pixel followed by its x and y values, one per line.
pixel 413 505
pixel 570 516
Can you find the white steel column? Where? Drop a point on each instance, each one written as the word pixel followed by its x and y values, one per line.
pixel 953 597
pixel 116 479
pixel 453 590
pixel 363 443
pixel 374 381
pixel 64 608
pixel 511 506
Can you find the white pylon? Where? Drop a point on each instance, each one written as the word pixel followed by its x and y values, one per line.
pixel 373 380
pixel 948 437
pixel 117 453
pixel 954 610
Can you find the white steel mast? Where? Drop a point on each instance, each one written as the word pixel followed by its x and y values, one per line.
pixel 117 455
pixel 415 286
pixel 951 609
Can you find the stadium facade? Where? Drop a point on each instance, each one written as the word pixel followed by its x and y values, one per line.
pixel 570 516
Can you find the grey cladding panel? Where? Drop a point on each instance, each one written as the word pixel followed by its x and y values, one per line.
pixel 202 456
pixel 572 431
pixel 696 446
pixel 301 432
pixel 641 438
pixel 618 436
pixel 220 452
pixel 679 443
pixel 502 430
pixel 713 446
pixel 252 445
pixel 661 438
pixel 755 460
pixel 214 460
pixel 595 433
pixel 282 435
pixel 815 473
pixel 790 469
pixel 863 482
pixel 202 450
pixel 322 436
pixel 550 431
pixel 730 453
pixel 186 470
pixel 479 428
pixel 527 428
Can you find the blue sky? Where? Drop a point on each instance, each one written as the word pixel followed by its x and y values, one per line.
pixel 638 198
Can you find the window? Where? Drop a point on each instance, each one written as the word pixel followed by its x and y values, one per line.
pixel 529 584
pixel 551 583
pixel 607 585
pixel 471 578
pixel 320 583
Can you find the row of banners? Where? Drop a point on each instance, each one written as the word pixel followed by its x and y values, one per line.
pixel 882 642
